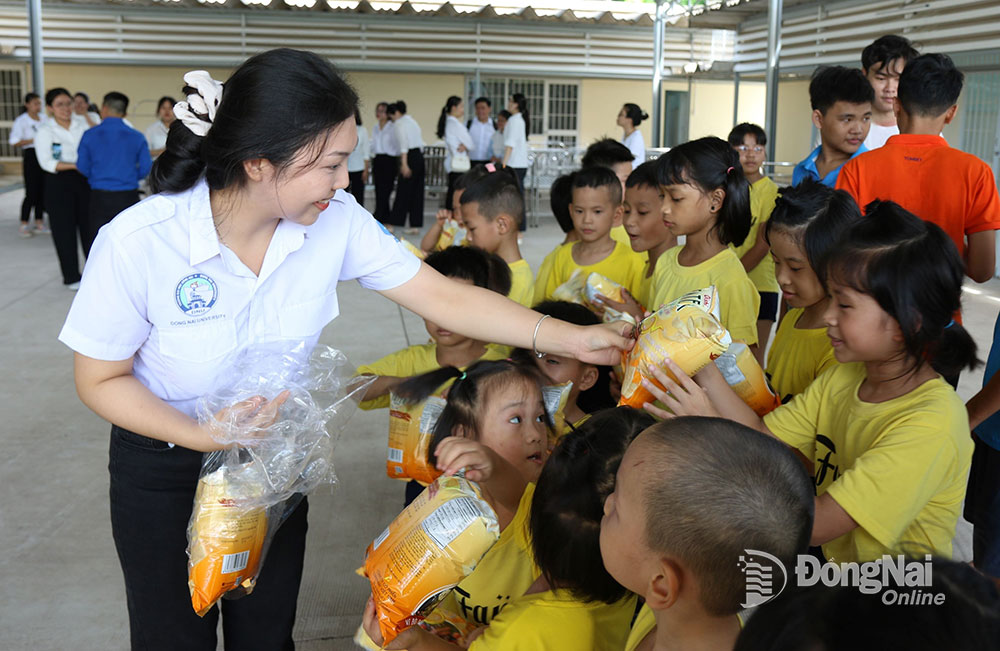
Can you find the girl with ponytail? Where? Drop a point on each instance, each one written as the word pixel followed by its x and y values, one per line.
pixel 515 139
pixel 457 143
pixel 629 119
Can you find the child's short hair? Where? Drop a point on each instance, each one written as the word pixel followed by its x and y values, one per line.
pixel 606 152
pixel 466 395
pixel 714 489
pixel 816 216
pixel 913 270
pixel 832 84
pixel 929 85
pixel 743 129
pixel 475 173
pixel 560 196
pixel 643 176
pixel 599 177
pixel 844 618
pixel 568 504
pixel 598 396
pixel 470 263
pixel 886 49
pixel 710 163
pixel 497 193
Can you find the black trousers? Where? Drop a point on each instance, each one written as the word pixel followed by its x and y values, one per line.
pixel 105 206
pixel 357 187
pixel 152 492
pixel 521 172
pixel 385 168
pixel 449 197
pixel 410 193
pixel 34 186
pixel 67 200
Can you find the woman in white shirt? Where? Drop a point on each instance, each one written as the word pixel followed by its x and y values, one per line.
pixel 67 193
pixel 22 134
pixel 515 138
pixel 156 133
pixel 629 119
pixel 358 162
pixel 457 141
pixel 83 108
pixel 246 244
pixel 409 202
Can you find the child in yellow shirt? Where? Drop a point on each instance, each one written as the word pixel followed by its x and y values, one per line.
pixel 707 199
pixel 454 211
pixel 673 534
pixel 887 437
pixel 575 604
pixel 493 210
pixel 618 158
pixel 749 141
pixel 560 196
pixel 464 264
pixel 596 203
pixel 806 223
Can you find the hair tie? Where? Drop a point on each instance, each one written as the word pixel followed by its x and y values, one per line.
pixel 490 167
pixel 461 377
pixel 950 323
pixel 198 112
pixel 731 168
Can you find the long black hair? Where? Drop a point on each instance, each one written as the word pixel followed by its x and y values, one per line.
pixel 452 102
pixel 267 86
pixel 913 270
pixel 522 106
pixel 709 164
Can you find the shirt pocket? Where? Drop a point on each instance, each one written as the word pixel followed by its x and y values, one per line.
pixel 205 342
pixel 307 319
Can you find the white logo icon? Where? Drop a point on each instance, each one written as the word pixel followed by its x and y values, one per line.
pixel 765 577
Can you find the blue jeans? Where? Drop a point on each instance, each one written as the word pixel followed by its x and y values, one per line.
pixel 982 508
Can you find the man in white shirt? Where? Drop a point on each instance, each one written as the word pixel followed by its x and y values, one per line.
pixel 22 134
pixel 410 190
pixel 385 160
pixel 882 62
pixel 481 128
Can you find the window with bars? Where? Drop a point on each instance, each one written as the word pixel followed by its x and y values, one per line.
pixel 553 107
pixel 11 105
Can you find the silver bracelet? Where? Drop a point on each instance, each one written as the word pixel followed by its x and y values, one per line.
pixel 534 337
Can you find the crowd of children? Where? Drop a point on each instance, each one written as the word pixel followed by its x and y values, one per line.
pixel 628 529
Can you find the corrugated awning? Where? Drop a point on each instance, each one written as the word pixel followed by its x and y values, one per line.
pixel 730 14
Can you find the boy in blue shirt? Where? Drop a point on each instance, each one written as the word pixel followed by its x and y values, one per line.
pixel 982 499
pixel 841 100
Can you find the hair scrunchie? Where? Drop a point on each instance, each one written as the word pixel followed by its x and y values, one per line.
pixel 198 112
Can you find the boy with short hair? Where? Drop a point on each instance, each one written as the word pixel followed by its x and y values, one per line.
pixel 749 141
pixel 493 211
pixel 841 100
pixel 883 62
pixel 612 154
pixel 595 206
pixel 919 171
pixel 674 534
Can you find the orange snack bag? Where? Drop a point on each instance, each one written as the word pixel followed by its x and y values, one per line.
pixel 411 427
pixel 583 288
pixel 686 330
pixel 746 378
pixel 226 543
pixel 427 550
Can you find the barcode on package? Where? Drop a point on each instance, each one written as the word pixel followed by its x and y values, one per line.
pixel 432 412
pixel 381 539
pixel 235 562
pixel 450 519
pixel 395 455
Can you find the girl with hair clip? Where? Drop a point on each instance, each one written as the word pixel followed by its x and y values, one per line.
pixel 456 141
pixel 886 436
pixel 707 199
pixel 574 603
pixel 629 119
pixel 246 241
pixel 515 138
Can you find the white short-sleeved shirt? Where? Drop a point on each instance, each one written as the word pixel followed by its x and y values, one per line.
pixel 54 144
pixel 24 128
pixel 635 143
pixel 408 133
pixel 482 138
pixel 877 135
pixel 384 140
pixel 361 152
pixel 159 285
pixel 515 137
pixel 455 134
pixel 156 135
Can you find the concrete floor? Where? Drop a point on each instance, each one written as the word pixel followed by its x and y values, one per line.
pixel 60 583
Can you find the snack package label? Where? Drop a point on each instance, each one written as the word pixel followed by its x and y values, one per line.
pixel 555 397
pixel 449 520
pixel 746 378
pixel 411 428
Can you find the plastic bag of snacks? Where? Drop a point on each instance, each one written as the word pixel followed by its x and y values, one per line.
pixel 584 288
pixel 451 234
pixel 411 427
pixel 427 550
pixel 687 331
pixel 246 490
pixel 555 397
pixel 742 372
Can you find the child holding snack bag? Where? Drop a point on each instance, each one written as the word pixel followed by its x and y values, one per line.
pixel 450 218
pixel 560 196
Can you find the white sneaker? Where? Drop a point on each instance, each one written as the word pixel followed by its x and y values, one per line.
pixel 24 230
pixel 73 286
pixel 40 229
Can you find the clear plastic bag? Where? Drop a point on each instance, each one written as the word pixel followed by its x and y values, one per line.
pixel 247 489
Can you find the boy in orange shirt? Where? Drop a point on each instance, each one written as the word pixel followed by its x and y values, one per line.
pixel 919 171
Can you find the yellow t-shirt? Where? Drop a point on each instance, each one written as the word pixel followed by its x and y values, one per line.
pixel 644 286
pixel 619 234
pixel 899 468
pixel 542 277
pixel 503 574
pixel 555 620
pixel 623 266
pixel 522 282
pixel 412 361
pixel 645 621
pixel 739 301
pixel 763 194
pixel 797 356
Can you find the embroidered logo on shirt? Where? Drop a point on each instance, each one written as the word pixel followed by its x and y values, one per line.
pixel 196 294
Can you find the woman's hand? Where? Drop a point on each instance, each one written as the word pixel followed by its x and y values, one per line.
pixel 686 398
pixel 602 344
pixel 244 418
pixel 461 148
pixel 455 452
pixel 628 306
pixel 406 171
